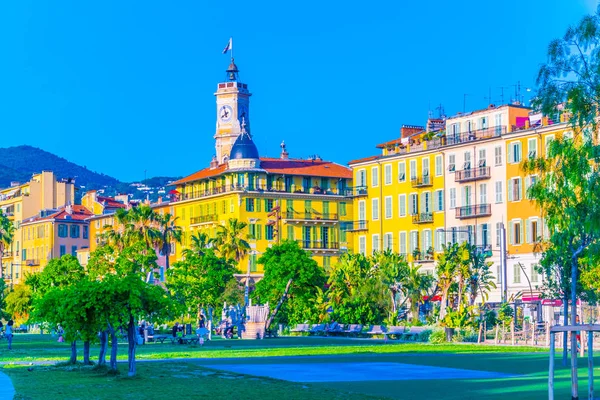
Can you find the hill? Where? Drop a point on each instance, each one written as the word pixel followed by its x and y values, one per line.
pixel 20 162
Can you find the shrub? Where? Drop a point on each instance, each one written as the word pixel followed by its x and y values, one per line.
pixel 437 336
pixel 424 336
pixel 468 335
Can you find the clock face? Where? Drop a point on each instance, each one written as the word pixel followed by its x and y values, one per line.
pixel 225 113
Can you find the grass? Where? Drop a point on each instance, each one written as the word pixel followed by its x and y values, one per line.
pixel 199 377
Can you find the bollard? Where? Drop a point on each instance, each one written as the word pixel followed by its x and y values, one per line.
pixel 551 369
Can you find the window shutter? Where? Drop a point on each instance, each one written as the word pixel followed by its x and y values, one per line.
pixel 479 234
pixel 521 232
pixel 528 231
pixel 435 201
pixel 488 235
pixel 510 190
pixel 510 233
pixel 510 157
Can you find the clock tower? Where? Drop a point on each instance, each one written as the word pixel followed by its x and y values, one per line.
pixel 233 105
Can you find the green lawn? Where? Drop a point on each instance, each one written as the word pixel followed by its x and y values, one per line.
pixel 199 376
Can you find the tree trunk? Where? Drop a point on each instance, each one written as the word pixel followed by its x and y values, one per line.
pixel 393 304
pixel 566 334
pixel 131 338
pixel 574 383
pixel 444 303
pixel 86 353
pixel 114 346
pixel 281 301
pixel 103 347
pixel 73 359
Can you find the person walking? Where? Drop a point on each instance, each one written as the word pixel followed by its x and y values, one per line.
pixel 9 333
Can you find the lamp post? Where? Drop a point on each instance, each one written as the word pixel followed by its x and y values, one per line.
pixel 247 286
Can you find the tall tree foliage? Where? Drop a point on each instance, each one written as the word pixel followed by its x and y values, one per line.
pixel 7 232
pixel 230 240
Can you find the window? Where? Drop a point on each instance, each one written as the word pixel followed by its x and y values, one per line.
pixel 74 251
pixel 375 209
pixel 438 200
pixel 484 122
pixel 388 207
pixel 498 155
pixel 425 168
pixel 253 262
pixel 413 170
pixel 252 231
pixel 362 210
pixel 75 231
pixel 498 192
pixel 439 240
pixel 362 178
pixel 290 232
pixel 413 204
pixel 374 176
pixel 547 140
pixel 258 232
pixel 402 171
pixel 514 189
pixel 532 148
pixel 467 158
pixel 414 241
pixel 517 273
pixel 342 209
pixel 86 232
pixel 451 162
pixel 529 181
pixel 268 205
pixel 402 240
pixel 452 198
pixel 516 232
pixel 532 232
pixel 498 122
pixel 63 250
pixel 439 166
pixel 63 231
pixel 402 205
pixel 534 273
pixel 256 202
pixel 498 233
pixel 269 232
pixel 249 205
pixel 482 161
pixel 483 193
pixel 426 202
pixel 466 196
pixel 388 174
pixel 427 240
pixel 362 245
pixel 375 242
pixel 514 152
pixel 326 208
pixel 387 241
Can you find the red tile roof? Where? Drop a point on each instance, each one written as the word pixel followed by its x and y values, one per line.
pixel 326 169
pixel 359 160
pixel 110 202
pixel 79 213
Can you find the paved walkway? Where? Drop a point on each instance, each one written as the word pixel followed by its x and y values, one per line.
pixel 7 390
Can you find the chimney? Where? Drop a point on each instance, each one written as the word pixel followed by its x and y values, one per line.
pixel 159 199
pixel 14 183
pixel 214 163
pixel 284 154
pixel 409 130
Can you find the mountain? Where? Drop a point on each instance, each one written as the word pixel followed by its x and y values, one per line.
pixel 20 162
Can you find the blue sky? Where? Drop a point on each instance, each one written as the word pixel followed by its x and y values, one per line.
pixel 122 87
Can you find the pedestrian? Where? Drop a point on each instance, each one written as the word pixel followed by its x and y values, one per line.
pixel 175 329
pixel 9 333
pixel 61 333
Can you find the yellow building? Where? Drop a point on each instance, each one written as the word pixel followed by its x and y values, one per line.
pixel 43 193
pixel 53 234
pixel 399 197
pixel 279 198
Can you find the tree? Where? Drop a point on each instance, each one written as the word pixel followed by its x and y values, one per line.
pixel 18 302
pixel 169 233
pixel 290 274
pixel 446 271
pixel 415 286
pixel 481 280
pixel 200 243
pixel 7 231
pixel 201 281
pixel 393 269
pixel 230 240
pixel 568 187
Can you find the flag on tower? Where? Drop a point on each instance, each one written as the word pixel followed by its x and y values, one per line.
pixel 229 46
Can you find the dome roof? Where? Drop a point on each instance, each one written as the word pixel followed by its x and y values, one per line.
pixel 243 148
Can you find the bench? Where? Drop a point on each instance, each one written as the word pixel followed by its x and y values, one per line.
pixel 317 329
pixel 394 332
pixel 353 330
pixel 158 338
pixel 414 332
pixel 300 328
pixel 377 330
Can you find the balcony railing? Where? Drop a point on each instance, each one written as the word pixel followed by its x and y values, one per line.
pixel 479 210
pixel 203 219
pixel 472 174
pixel 354 226
pixel 475 135
pixel 263 189
pixel 357 191
pixel 318 245
pixel 7 254
pixel 421 181
pixel 422 218
pixel 32 262
pixel 309 216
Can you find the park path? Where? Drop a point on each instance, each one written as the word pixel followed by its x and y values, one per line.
pixel 7 390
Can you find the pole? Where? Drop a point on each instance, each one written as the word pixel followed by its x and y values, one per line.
pixel 590 341
pixel 231 49
pixel 503 262
pixel 551 369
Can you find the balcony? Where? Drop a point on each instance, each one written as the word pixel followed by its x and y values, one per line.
pixel 355 226
pixel 295 189
pixel 422 218
pixel 421 181
pixel 7 254
pixel 204 219
pixel 319 246
pixel 479 210
pixel 474 174
pixel 32 263
pixel 480 134
pixel 357 191
pixel 312 216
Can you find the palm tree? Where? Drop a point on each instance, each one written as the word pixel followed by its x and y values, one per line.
pixel 415 286
pixel 7 232
pixel 200 243
pixel 168 233
pixel 230 240
pixel 393 269
pixel 446 270
pixel 481 280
